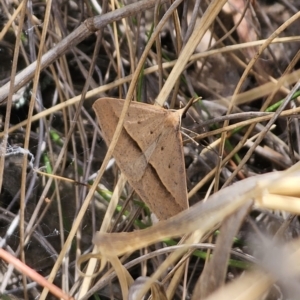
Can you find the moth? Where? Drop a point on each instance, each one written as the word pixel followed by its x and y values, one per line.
pixel 149 152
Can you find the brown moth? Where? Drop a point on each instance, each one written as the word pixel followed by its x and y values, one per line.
pixel 149 152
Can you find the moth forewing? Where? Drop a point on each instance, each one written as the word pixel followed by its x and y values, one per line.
pixel 138 165
pixel 168 161
pixel 146 132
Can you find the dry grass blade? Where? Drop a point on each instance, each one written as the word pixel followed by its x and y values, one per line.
pixel 58 58
pixel 157 290
pixel 279 264
pixel 202 26
pixel 73 39
pixel 215 269
pixel 241 98
pixel 200 216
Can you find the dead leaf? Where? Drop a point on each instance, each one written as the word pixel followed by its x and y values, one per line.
pixel 148 152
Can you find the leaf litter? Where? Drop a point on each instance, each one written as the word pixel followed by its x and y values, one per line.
pixel 53 205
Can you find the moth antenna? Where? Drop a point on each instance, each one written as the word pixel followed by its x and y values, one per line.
pixel 190 138
pixel 189 104
pixel 189 130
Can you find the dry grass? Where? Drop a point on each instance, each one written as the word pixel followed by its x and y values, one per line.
pixel 242 58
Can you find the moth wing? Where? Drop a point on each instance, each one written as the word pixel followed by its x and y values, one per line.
pixel 143 122
pixel 168 160
pixel 128 155
pixel 145 133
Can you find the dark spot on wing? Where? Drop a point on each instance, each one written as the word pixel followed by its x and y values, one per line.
pixel 162 148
